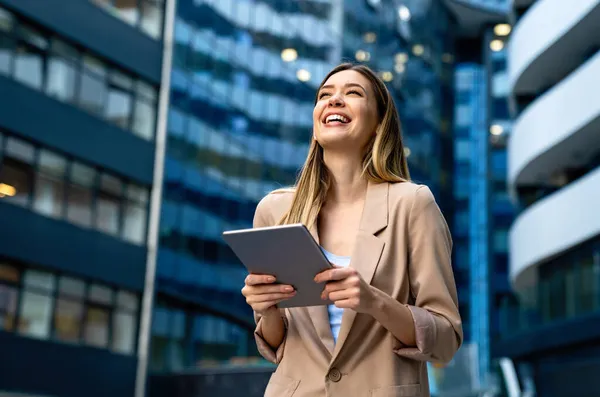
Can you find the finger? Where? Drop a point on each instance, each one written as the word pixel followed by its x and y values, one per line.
pixel 349 303
pixel 269 297
pixel 265 289
pixel 341 294
pixel 334 274
pixel 346 283
pixel 255 279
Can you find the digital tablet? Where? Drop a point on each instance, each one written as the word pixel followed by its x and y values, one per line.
pixel 288 252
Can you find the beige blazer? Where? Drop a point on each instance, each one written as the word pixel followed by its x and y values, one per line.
pixel 403 248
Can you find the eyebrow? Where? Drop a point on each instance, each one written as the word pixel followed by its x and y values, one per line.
pixel 345 85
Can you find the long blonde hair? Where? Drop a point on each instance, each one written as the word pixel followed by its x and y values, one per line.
pixel 384 159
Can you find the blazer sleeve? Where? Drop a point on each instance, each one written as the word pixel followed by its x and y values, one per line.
pixel 437 321
pixel 261 219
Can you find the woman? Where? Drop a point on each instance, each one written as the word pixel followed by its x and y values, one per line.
pixel 395 301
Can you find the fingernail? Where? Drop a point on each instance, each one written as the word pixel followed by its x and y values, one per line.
pixel 288 289
pixel 271 279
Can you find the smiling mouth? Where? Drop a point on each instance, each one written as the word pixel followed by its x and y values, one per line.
pixel 337 119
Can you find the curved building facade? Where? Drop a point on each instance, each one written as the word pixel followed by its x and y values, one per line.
pixel 554 176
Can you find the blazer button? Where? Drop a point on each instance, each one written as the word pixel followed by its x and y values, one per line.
pixel 334 375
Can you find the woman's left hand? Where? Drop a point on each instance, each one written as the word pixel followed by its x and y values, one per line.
pixel 346 289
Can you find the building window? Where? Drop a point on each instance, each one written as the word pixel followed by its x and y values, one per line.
pixel 39 60
pixel 49 184
pixel 45 305
pixel 136 211
pixel 79 201
pixel 9 278
pixel 146 15
pixel 36 304
pixel 61 188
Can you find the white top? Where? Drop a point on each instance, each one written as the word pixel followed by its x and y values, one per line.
pixel 335 313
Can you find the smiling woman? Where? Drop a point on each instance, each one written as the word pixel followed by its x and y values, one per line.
pixel 392 286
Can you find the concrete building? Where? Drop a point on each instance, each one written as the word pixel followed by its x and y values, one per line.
pixel 78 130
pixel 552 332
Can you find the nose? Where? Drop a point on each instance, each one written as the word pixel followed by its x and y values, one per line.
pixel 335 101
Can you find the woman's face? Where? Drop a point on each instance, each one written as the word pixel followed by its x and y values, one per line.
pixel 345 115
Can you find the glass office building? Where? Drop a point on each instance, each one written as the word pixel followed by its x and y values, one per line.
pixel 411 45
pixel 243 81
pixel 502 210
pixel 77 126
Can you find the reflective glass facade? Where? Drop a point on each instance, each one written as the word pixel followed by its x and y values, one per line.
pixel 472 219
pixel 243 82
pixel 411 45
pixel 502 210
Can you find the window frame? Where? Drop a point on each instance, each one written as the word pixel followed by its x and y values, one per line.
pixel 94 187
pixel 55 295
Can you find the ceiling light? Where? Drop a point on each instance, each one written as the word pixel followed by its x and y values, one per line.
pixel 496 129
pixel 289 55
pixel 404 13
pixel 303 75
pixel 399 68
pixel 387 76
pixel 496 45
pixel 407 151
pixel 7 190
pixel 362 56
pixel 370 37
pixel 502 29
pixel 401 57
pixel 418 49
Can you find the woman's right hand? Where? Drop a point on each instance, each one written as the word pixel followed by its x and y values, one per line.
pixel 262 294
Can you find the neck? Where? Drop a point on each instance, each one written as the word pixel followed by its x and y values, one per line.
pixel 347 183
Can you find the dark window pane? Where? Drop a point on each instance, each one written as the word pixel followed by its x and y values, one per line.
pixel 16 181
pixel 92 93
pixel 6 20
pixel 127 301
pixel 79 208
pixel 9 273
pixel 8 307
pixel 67 320
pixel 71 287
pixel 20 150
pixel 107 213
pixel 100 294
pixel 6 54
pixel 33 36
pixel 96 327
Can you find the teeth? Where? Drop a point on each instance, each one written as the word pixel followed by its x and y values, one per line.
pixel 336 117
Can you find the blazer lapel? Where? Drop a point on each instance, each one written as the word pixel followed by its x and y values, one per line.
pixel 319 314
pixel 367 248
